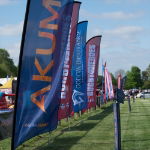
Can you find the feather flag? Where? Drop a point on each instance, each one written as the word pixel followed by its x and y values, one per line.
pixel 79 95
pixel 108 85
pixel 42 54
pixel 65 107
pixel 119 81
pixel 92 59
pixel 111 91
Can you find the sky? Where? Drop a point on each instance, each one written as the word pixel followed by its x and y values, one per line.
pixel 123 24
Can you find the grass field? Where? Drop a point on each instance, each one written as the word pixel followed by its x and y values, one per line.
pixel 136 126
pixel 95 131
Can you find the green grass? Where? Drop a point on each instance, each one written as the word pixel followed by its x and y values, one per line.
pixel 95 131
pixel 136 126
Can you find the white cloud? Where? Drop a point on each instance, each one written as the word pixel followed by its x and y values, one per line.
pixel 118 37
pixel 11 29
pixel 122 1
pixel 6 2
pixel 121 15
pixel 122 37
pixel 125 59
pixel 14 51
pixel 121 31
pixel 118 15
pixel 125 31
pixel 111 1
pixel 121 47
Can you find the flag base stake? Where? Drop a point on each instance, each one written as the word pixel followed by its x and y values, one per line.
pixel 129 104
pixel 117 125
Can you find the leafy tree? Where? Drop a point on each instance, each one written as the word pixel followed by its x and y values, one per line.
pixel 134 79
pixel 7 66
pixel 129 83
pixel 144 75
pixel 3 73
pixel 146 78
pixel 148 72
pixel 146 85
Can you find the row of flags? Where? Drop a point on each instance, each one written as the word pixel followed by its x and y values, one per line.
pixel 66 105
pixel 57 69
pixel 107 86
pixel 52 65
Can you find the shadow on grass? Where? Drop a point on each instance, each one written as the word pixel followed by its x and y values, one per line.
pixel 106 111
pixel 82 127
pixel 65 142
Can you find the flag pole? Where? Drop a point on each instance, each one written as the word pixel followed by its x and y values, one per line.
pixel 116 107
pixel 102 100
pixel 129 104
pixel 18 77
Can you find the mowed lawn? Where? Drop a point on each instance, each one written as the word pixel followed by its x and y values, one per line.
pixel 95 131
pixel 136 126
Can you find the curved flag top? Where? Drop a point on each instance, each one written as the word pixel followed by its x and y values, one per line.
pixel 108 84
pixel 92 59
pixel 111 89
pixel 79 95
pixel 43 45
pixel 105 83
pixel 65 107
pixel 119 81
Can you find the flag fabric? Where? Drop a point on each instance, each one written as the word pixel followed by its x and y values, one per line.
pixel 119 93
pixel 123 80
pixel 65 107
pixel 42 54
pixel 79 95
pixel 109 92
pixel 119 81
pixel 106 84
pixel 92 61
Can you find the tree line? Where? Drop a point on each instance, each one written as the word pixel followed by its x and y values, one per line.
pixel 7 66
pixel 135 78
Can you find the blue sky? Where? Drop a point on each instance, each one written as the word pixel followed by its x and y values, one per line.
pixel 123 24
